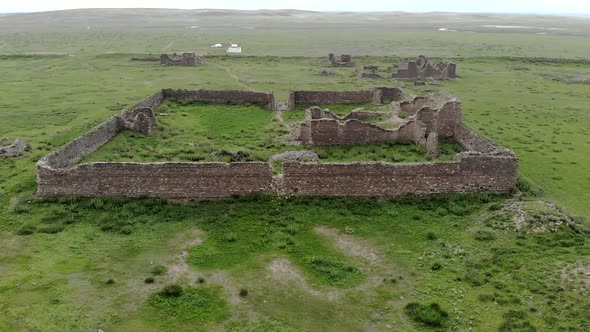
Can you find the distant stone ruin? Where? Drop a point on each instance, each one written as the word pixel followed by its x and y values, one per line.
pixel 184 59
pixel 369 71
pixel 344 60
pixel 15 149
pixel 148 59
pixel 483 167
pixel 421 68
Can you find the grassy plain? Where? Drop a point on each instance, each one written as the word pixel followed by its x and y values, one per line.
pixel 286 263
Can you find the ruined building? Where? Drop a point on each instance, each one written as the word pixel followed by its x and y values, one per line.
pixel 482 167
pixel 421 68
pixel 369 71
pixel 184 59
pixel 344 60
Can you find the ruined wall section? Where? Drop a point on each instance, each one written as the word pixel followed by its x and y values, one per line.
pixel 477 173
pixel 184 59
pixel 470 140
pixel 234 97
pixel 176 180
pixel 315 98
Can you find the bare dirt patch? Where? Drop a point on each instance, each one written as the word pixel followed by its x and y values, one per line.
pixel 576 277
pixel 351 245
pixel 282 270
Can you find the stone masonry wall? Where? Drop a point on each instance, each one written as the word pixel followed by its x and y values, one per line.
pixel 316 98
pixel 329 97
pixel 263 99
pixel 166 180
pixel 484 168
pixel 470 173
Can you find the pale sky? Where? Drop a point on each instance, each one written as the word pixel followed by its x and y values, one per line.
pixel 494 6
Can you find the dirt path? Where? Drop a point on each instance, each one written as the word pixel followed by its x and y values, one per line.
pixel 279 116
pixel 165 48
pixel 233 76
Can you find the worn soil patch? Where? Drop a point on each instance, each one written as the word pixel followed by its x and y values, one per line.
pixel 576 277
pixel 351 245
pixel 282 270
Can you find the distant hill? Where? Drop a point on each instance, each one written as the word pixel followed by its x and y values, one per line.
pixel 288 18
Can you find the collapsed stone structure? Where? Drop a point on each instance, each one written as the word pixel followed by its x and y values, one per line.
pixel 422 68
pixel 184 59
pixel 484 167
pixel 15 149
pixel 344 60
pixel 369 71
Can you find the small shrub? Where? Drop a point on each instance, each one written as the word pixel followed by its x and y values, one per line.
pixel 441 211
pixel 52 228
pixel 243 292
pixel 487 297
pixel 26 229
pixel 172 290
pixel 431 315
pixel 159 270
pixel 483 235
pixel 436 266
pixel 149 280
pixel 231 237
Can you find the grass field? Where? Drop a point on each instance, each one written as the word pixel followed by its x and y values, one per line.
pixel 206 132
pixel 269 263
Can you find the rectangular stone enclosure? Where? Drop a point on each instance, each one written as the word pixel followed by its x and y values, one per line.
pixel 484 167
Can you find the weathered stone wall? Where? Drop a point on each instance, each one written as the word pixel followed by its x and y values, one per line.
pixel 470 173
pixel 344 60
pixel 329 97
pixel 264 99
pixel 167 180
pixel 315 98
pixel 422 68
pixel 82 146
pixel 152 101
pixel 184 59
pixel 484 168
pixel 323 132
pixel 472 141
pixel 322 127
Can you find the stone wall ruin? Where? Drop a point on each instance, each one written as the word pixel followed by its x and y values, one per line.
pixel 422 68
pixel 310 98
pixel 344 60
pixel 184 59
pixel 484 167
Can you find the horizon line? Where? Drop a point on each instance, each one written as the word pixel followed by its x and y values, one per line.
pixel 313 11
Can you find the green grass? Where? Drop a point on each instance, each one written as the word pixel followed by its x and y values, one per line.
pixel 458 251
pixel 210 132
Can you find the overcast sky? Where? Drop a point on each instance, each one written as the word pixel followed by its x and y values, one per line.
pixel 496 6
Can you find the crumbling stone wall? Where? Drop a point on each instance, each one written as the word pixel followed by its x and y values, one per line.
pixel 234 97
pixel 322 127
pixel 15 149
pixel 472 141
pixel 369 71
pixel 376 96
pixel 422 68
pixel 167 180
pixel 484 168
pixel 468 173
pixel 344 60
pixel 184 59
